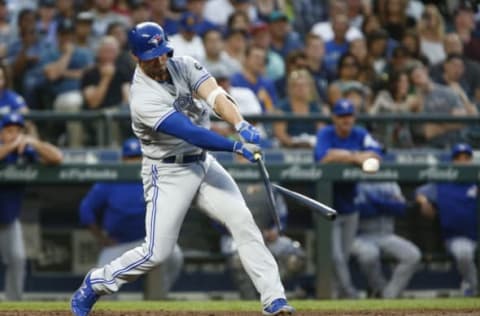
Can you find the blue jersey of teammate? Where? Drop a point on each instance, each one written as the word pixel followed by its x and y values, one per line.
pixel 380 199
pixel 120 206
pixel 11 102
pixel 357 140
pixel 456 204
pixel 11 196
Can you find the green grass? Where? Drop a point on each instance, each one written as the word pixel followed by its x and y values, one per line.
pixel 450 303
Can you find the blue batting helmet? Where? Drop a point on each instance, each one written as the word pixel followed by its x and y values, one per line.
pixel 148 40
pixel 131 148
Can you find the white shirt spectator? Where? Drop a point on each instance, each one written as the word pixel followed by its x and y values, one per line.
pixel 182 47
pixel 225 64
pixel 415 9
pixel 325 31
pixel 247 101
pixel 218 11
pixel 433 51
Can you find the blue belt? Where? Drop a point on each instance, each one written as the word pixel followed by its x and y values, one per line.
pixel 185 159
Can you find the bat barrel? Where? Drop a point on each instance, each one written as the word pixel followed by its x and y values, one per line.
pixel 320 208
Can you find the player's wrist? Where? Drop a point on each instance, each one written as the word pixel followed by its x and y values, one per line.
pixel 241 125
pixel 237 147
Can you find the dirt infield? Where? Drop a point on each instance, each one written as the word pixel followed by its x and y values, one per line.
pixel 413 312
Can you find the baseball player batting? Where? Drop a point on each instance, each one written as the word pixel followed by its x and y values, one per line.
pixel 178 171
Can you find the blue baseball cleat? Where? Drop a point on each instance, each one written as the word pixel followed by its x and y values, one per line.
pixel 84 298
pixel 279 307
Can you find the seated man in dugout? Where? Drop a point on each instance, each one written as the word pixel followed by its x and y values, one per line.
pixel 456 205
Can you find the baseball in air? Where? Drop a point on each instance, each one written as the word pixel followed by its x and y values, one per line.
pixel 371 165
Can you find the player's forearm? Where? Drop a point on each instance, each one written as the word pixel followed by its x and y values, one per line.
pixel 426 207
pixel 98 233
pixel 280 132
pixel 433 129
pixel 220 103
pixel 390 207
pixel 49 153
pixel 339 155
pixel 227 110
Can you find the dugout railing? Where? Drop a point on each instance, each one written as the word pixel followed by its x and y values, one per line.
pixel 319 177
pixel 103 120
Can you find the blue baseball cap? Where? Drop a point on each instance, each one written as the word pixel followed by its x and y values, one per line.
pixel 343 107
pixel 131 148
pixel 461 148
pixel 13 119
pixel 189 21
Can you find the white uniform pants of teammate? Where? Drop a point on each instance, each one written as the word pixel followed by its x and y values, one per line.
pixel 463 250
pixel 344 229
pixel 170 269
pixel 170 189
pixel 12 250
pixel 367 248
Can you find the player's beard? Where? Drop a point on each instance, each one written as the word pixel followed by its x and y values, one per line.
pixel 155 69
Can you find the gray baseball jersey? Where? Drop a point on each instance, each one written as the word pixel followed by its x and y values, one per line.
pixel 153 101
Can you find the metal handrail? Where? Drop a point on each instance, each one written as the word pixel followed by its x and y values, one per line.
pixel 364 118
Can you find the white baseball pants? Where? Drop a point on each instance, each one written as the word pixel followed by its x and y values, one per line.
pixel 463 250
pixel 344 229
pixel 170 189
pixel 171 268
pixel 367 248
pixel 13 254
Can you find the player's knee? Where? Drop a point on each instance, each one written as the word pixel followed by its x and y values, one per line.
pixel 368 255
pixel 414 256
pixel 160 255
pixel 411 256
pixel 368 259
pixel 157 259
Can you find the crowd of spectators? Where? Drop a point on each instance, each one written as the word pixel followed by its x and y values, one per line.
pixel 300 57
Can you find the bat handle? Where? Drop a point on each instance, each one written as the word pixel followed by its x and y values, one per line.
pixel 257 156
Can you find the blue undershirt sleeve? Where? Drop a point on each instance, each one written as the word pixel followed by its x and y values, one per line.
pixel 322 146
pixel 180 126
pixel 366 209
pixel 388 206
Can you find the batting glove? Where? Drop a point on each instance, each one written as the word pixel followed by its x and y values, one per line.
pixel 248 132
pixel 246 150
